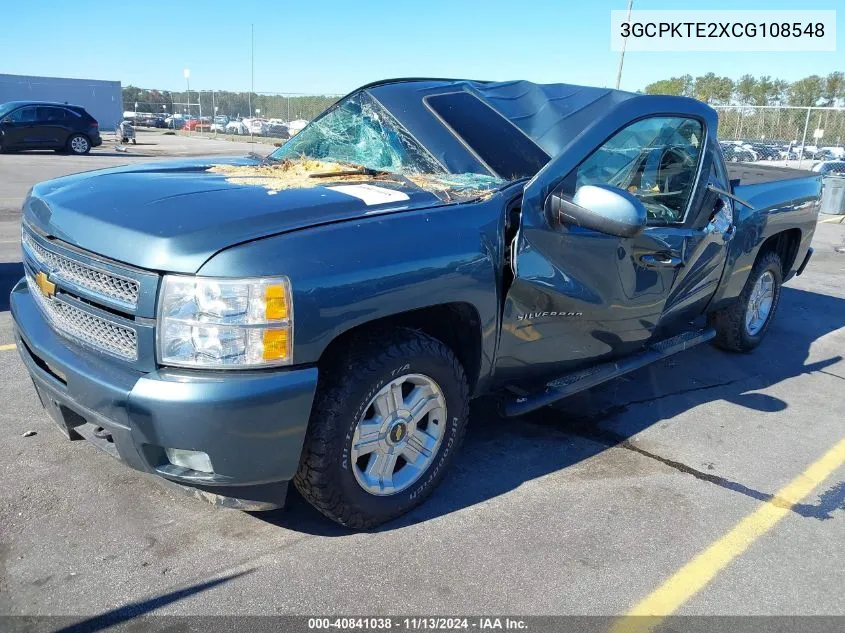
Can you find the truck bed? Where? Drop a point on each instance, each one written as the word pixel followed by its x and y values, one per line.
pixel 755 174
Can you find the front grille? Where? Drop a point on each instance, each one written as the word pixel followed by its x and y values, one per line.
pixel 101 282
pixel 85 327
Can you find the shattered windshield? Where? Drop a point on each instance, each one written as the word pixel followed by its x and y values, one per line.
pixel 358 140
pixel 360 131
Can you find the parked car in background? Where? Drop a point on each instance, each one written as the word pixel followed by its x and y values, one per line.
pixel 257 127
pixel 148 120
pixel 763 152
pixel 175 122
pixel 830 168
pixel 43 125
pixel 823 155
pixel 236 127
pixel 219 123
pixel 197 125
pixel 296 126
pixel 738 154
pixel 277 130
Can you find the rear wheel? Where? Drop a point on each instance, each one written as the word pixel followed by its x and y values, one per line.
pixel 386 424
pixel 743 324
pixel 78 144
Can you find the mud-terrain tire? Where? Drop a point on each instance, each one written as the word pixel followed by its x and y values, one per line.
pixel 371 382
pixel 736 327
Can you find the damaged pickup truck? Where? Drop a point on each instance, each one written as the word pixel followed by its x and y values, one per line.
pixel 324 315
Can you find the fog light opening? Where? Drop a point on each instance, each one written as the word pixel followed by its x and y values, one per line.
pixel 195 460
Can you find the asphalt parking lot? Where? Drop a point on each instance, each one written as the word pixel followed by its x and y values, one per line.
pixel 585 508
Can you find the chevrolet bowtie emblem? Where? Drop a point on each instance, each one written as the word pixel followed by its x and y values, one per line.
pixel 44 283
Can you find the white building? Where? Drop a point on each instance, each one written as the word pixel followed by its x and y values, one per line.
pixel 102 99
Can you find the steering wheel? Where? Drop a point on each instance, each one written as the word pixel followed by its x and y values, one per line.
pixel 659 187
pixel 673 162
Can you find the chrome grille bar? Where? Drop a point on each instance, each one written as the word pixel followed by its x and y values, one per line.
pixel 85 327
pixel 101 282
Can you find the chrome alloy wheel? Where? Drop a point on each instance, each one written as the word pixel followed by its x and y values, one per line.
pixel 399 434
pixel 79 144
pixel 760 304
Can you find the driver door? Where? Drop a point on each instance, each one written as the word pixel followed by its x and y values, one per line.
pixel 578 296
pixel 21 130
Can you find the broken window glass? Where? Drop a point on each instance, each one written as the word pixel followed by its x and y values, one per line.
pixel 359 130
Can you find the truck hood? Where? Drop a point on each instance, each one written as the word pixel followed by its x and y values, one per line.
pixel 173 216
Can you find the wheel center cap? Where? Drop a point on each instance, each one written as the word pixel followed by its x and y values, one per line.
pixel 397 432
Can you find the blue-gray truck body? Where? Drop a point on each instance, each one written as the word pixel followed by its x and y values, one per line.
pixel 518 296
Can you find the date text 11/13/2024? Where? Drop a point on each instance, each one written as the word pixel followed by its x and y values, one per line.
pixel 418 623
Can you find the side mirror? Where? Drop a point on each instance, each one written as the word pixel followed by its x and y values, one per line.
pixel 8 119
pixel 602 208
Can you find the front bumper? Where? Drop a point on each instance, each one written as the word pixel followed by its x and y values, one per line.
pixel 251 423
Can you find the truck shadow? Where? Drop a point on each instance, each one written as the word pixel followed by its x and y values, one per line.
pixel 501 454
pixel 114 618
pixel 10 273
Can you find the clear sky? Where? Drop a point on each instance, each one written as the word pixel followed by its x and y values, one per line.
pixel 332 46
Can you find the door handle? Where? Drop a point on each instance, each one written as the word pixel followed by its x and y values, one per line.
pixel 661 259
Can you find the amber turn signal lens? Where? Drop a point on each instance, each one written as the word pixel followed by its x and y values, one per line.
pixel 275 344
pixel 276 303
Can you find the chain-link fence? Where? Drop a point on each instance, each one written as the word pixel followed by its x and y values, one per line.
pixel 264 115
pixel 790 136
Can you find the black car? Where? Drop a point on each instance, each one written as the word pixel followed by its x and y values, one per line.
pixel 42 125
pixel 831 168
pixel 151 120
pixel 736 154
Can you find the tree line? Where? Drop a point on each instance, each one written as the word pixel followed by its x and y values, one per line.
pixel 232 104
pixel 814 90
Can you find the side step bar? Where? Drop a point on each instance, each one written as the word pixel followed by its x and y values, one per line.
pixel 579 381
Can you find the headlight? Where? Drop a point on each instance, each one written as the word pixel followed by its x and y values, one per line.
pixel 225 323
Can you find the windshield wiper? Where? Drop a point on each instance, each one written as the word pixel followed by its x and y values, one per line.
pixel 262 159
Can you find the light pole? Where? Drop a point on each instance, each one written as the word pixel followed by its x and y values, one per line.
pixel 624 42
pixel 187 73
pixel 251 65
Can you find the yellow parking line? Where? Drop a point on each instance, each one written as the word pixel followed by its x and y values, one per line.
pixel 5 348
pixel 697 573
pixel 840 219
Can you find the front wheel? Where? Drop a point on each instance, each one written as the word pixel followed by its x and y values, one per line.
pixel 742 325
pixel 385 427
